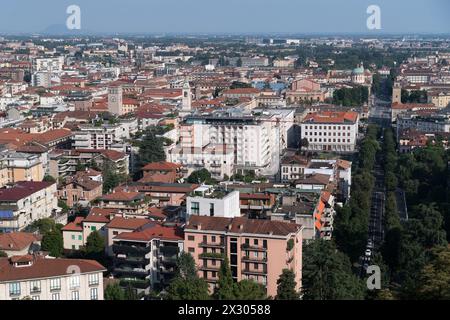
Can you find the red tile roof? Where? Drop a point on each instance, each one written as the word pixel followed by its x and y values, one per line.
pixel 161 166
pixel 154 231
pixel 76 225
pixel 45 268
pixel 127 223
pixel 23 189
pixel 242 225
pixel 17 241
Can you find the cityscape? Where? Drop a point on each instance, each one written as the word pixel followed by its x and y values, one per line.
pixel 224 165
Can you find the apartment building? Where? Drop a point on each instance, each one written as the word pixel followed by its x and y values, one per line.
pixel 258 250
pixel 146 257
pixel 26 202
pixel 51 64
pixel 38 278
pixel 79 189
pixel 250 143
pixel 105 136
pixel 18 166
pixel 207 201
pixel 331 131
pixel 440 99
pixel 129 203
pixel 292 167
pixel 63 163
pixel 432 123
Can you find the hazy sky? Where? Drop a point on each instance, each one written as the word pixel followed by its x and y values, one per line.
pixel 227 16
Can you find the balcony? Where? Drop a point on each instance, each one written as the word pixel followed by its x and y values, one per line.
pixel 211 245
pixel 131 249
pixel 132 260
pixel 168 260
pixel 128 271
pixel 169 250
pixel 249 247
pixel 254 260
pixel 209 268
pixel 256 272
pixel 135 283
pixel 212 256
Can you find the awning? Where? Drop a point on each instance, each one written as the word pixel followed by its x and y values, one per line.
pixel 6 214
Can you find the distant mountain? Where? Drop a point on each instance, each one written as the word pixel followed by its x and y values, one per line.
pixel 61 30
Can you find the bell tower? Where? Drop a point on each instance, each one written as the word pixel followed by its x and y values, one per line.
pixel 186 105
pixel 397 93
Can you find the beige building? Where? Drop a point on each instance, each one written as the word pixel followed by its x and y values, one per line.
pixel 38 278
pixel 257 250
pixel 18 166
pixel 26 202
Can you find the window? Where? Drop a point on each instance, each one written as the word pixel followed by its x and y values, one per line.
pixel 73 237
pixel 55 284
pixel 255 242
pixel 35 298
pixel 191 250
pixel 74 281
pixel 213 239
pixel 93 279
pixel 211 209
pixel 195 208
pixel 73 247
pixel 56 296
pixel 35 286
pixel 94 294
pixel 14 289
pixel 80 238
pixel 76 295
pixel 265 244
pixel 93 228
pixel 191 238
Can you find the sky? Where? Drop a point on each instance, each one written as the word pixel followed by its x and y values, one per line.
pixel 226 16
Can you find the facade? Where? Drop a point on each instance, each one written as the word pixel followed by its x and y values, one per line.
pixel 206 201
pixel 130 204
pixel 26 202
pixel 331 131
pixel 18 166
pixel 250 143
pixel 146 257
pixel 257 249
pixel 79 189
pixel 39 278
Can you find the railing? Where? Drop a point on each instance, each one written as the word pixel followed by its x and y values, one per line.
pixel 117 248
pixel 256 260
pixel 136 283
pixel 250 247
pixel 212 244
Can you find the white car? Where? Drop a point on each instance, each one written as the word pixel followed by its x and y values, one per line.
pixel 368 253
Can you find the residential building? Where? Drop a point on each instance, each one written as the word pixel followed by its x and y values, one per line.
pixel 208 201
pixel 258 250
pixel 39 278
pixel 331 131
pixel 146 257
pixel 25 202
pixel 19 243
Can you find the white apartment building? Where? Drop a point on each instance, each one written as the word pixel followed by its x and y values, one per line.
pixel 253 143
pixel 106 136
pixel 331 131
pixel 26 202
pixel 39 278
pixel 215 203
pixel 52 65
pixel 41 79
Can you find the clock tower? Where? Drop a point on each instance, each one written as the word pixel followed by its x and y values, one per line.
pixel 115 104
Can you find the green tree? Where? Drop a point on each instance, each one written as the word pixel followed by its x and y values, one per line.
pixel 286 286
pixel 435 276
pixel 49 178
pixel 95 244
pixel 200 176
pixel 186 284
pixel 114 292
pixel 3 254
pixel 111 178
pixel 249 290
pixel 52 242
pixel 327 274
pixel 226 286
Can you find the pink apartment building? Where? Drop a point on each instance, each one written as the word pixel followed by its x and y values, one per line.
pixel 258 250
